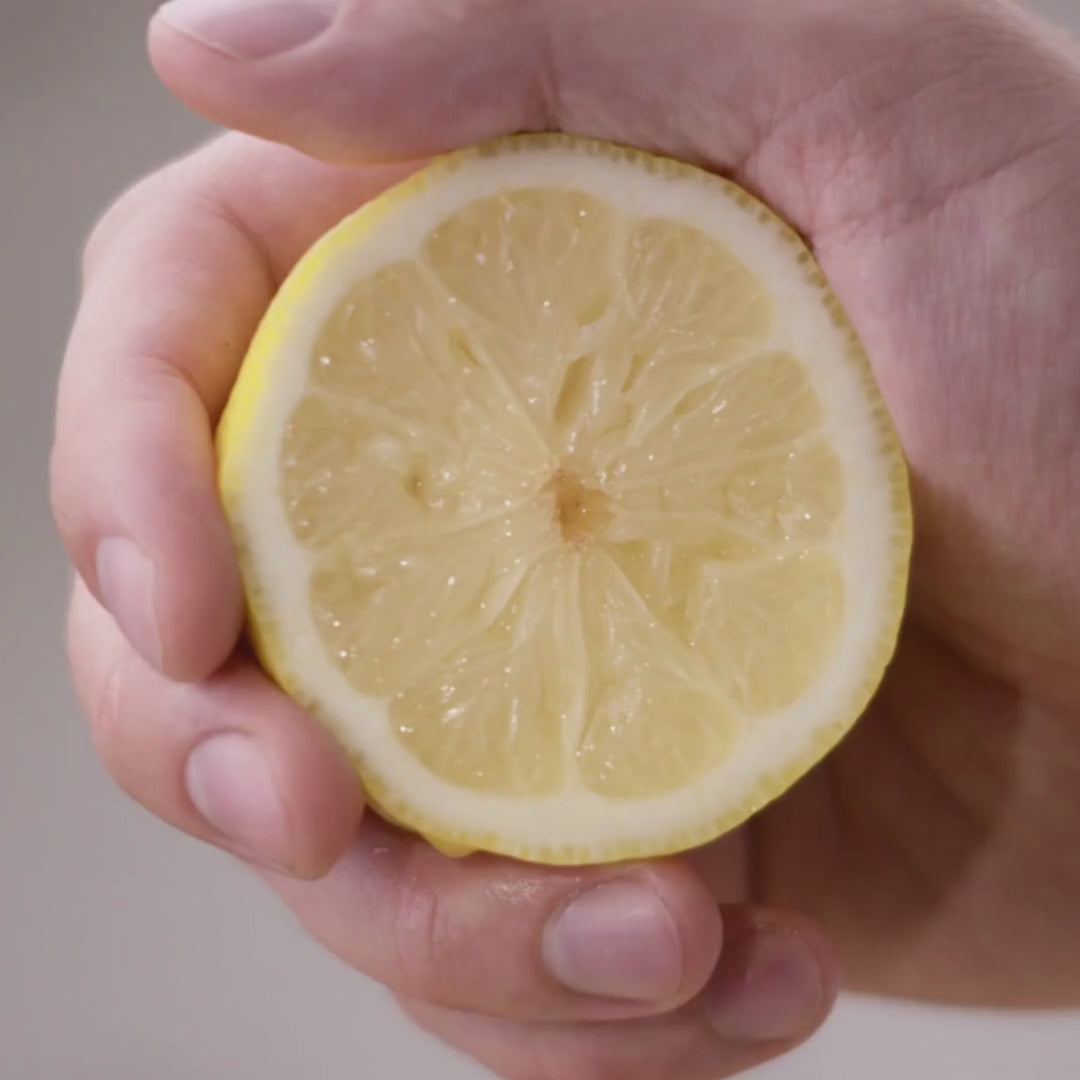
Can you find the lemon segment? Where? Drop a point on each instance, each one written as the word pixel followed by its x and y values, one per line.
pixel 564 496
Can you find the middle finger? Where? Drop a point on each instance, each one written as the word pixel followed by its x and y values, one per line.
pixel 494 936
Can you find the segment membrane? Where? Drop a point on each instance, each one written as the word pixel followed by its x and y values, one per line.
pixel 653 720
pixel 387 610
pixel 492 715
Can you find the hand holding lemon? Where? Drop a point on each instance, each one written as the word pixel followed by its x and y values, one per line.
pixel 584 557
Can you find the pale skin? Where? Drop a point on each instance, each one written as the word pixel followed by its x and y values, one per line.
pixel 930 152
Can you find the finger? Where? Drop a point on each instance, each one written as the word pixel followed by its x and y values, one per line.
pixel 231 760
pixel 177 277
pixel 359 79
pixel 798 97
pixel 495 936
pixel 774 985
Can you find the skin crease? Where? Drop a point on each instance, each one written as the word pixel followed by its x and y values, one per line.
pixel 930 152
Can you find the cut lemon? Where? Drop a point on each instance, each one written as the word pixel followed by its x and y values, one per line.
pixel 564 496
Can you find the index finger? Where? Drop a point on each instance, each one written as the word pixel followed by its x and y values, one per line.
pixel 177 276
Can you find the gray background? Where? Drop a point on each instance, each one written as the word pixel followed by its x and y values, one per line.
pixel 126 950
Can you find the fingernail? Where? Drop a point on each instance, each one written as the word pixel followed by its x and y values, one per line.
pixel 229 781
pixel 126 582
pixel 250 29
pixel 769 987
pixel 616 941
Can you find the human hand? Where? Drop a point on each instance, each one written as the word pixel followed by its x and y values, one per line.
pixel 935 845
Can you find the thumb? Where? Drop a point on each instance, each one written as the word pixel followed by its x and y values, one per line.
pixel 357 80
pixel 777 91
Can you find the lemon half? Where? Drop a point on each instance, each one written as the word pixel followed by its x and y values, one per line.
pixel 564 496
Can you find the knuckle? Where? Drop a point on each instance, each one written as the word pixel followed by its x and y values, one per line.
pixel 102 683
pixel 119 217
pixel 550 1059
pixel 187 180
pixel 427 938
pixel 146 196
pixel 65 491
pixel 105 712
pixel 61 496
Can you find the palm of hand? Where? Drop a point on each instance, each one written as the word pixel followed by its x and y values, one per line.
pixel 936 844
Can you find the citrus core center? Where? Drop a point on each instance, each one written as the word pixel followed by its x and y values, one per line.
pixel 581 512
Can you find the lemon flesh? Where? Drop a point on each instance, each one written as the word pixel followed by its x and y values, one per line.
pixel 564 496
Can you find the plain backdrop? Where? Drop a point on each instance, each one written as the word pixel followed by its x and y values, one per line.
pixel 128 952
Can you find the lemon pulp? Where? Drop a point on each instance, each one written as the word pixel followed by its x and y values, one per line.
pixel 564 496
